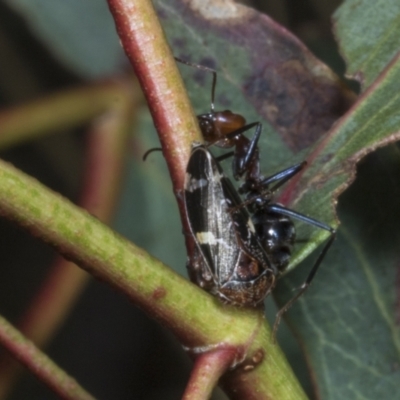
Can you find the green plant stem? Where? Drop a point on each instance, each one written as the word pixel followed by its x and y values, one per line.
pixel 48 309
pixel 158 290
pixel 82 238
pixel 44 368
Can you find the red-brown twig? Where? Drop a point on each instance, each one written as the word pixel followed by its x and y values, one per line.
pixel 144 42
pixel 45 369
pixel 207 370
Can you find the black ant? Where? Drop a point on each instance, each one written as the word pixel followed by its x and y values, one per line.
pixel 272 222
pixel 275 229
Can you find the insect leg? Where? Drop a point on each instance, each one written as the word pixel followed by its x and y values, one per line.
pixel 301 217
pixel 224 156
pixel 250 147
pixel 306 284
pixel 311 221
pixel 252 150
pixel 283 176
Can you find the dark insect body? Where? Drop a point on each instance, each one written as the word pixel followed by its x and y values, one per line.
pixel 273 227
pixel 228 260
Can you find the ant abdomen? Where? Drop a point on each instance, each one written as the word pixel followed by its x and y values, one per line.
pixel 277 235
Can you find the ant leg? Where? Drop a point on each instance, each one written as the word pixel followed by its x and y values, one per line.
pixel 301 217
pixel 203 68
pixel 281 176
pixel 311 221
pixel 246 151
pixel 284 176
pixel 305 285
pixel 225 156
pixel 251 150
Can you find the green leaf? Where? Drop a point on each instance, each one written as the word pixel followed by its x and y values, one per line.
pixel 81 34
pixel 372 122
pixel 264 72
pixel 348 321
pixel 368 35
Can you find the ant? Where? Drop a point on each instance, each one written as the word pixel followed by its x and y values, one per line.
pixel 225 129
pixel 275 229
pixel 272 222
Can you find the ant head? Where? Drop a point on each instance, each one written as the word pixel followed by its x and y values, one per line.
pixel 215 126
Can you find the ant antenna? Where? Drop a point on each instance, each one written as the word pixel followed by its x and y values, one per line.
pixel 202 67
pixel 150 151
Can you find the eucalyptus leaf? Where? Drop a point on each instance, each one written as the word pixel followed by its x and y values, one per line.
pixel 347 322
pixel 368 35
pixel 81 34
